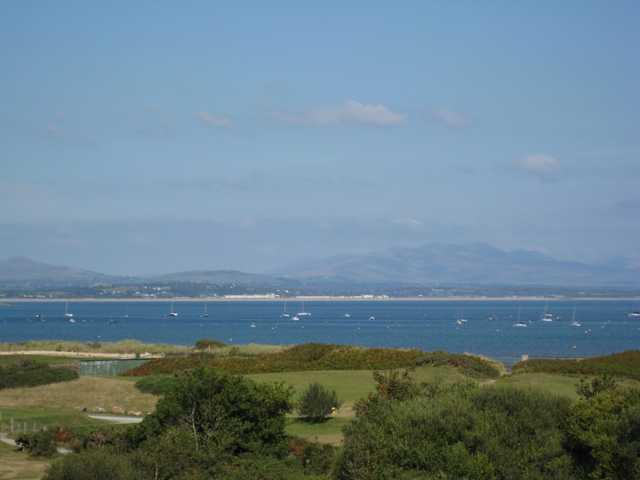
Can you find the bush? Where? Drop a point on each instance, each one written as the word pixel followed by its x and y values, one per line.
pixel 39 444
pixel 92 465
pixel 456 432
pixel 157 384
pixel 309 356
pixel 470 365
pixel 27 373
pixel 209 344
pixel 624 364
pixel 318 459
pixel 239 414
pixel 589 389
pixel 317 403
pixel 603 435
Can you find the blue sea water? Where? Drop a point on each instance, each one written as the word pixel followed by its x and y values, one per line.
pixel 489 328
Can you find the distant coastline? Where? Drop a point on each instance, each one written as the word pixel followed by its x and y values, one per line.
pixel 320 298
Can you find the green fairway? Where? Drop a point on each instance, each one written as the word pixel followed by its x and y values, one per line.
pixel 34 418
pixel 351 385
pixel 561 385
pixel 41 359
pixel 329 431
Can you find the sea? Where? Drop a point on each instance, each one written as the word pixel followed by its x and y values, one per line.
pixel 488 326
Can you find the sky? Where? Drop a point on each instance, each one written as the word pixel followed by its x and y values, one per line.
pixel 146 137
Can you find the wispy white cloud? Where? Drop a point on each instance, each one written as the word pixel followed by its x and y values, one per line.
pixel 214 121
pixel 539 164
pixel 350 112
pixel 451 118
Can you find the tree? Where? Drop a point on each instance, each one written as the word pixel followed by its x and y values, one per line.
pixel 589 389
pixel 603 435
pixel 317 403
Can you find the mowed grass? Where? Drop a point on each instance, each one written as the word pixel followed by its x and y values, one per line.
pixel 30 419
pixel 557 384
pixel 352 385
pixel 19 466
pixel 91 393
pixel 329 431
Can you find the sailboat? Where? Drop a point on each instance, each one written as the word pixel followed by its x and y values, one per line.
pixel 519 323
pixel 172 313
pixel 574 322
pixel 67 314
pixel 634 314
pixel 547 317
pixel 461 318
pixel 205 314
pixel 303 313
pixel 284 313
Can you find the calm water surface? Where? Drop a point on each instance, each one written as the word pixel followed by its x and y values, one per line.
pixel 489 328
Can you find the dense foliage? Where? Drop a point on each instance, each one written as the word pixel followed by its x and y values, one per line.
pixel 624 364
pixel 209 344
pixel 470 365
pixel 38 444
pixel 30 374
pixel 317 403
pixel 458 431
pixel 316 356
pixel 157 384
pixel 208 426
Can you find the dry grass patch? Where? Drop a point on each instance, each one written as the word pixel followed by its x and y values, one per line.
pixel 18 466
pixel 92 393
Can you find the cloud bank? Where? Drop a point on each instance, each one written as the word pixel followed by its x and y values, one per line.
pixel 214 121
pixel 350 112
pixel 540 164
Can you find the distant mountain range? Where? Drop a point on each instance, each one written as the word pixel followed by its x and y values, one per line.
pixel 469 264
pixel 430 265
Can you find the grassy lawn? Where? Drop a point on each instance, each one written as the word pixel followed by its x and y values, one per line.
pixel 18 466
pixel 92 393
pixel 351 385
pixel 34 418
pixel 325 432
pixel 558 384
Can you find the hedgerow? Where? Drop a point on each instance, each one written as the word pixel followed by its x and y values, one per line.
pixel 30 374
pixel 624 364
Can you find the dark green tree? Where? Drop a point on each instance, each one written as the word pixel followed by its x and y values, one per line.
pixel 317 403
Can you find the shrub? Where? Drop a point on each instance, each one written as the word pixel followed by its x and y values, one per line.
pixel 588 389
pixel 209 344
pixel 624 364
pixel 317 403
pixel 92 465
pixel 157 384
pixel 27 373
pixel 241 415
pixel 470 365
pixel 456 432
pixel 318 459
pixel 603 435
pixel 39 444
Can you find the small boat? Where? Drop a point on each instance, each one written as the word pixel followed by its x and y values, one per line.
pixel 634 314
pixel 546 316
pixel 204 314
pixel 460 321
pixel 461 317
pixel 72 320
pixel 253 325
pixel 372 317
pixel 347 315
pixel 284 313
pixel 574 322
pixel 520 325
pixel 172 313
pixel 303 313
pixel 67 314
pixel 295 318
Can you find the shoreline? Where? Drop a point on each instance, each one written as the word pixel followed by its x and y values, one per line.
pixel 319 298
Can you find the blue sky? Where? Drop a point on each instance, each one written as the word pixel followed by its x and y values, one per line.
pixel 153 136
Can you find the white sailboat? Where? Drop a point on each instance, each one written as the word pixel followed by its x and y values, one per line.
pixel 519 323
pixel 635 314
pixel 284 313
pixel 303 313
pixel 67 314
pixel 547 317
pixel 205 314
pixel 172 313
pixel 574 322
